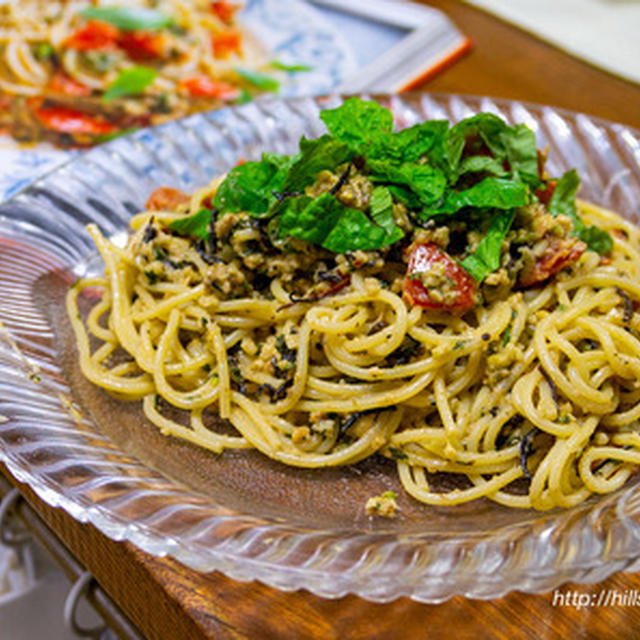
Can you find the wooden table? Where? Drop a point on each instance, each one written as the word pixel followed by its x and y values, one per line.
pixel 169 602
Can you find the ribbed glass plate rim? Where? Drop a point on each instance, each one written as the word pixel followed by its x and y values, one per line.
pixel 42 443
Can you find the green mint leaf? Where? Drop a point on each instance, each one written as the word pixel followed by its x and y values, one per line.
pixel 426 140
pixel 130 82
pixel 485 134
pixel 310 219
pixel 482 164
pixel 129 18
pixel 325 221
pixel 491 193
pixel 381 205
pixel 195 225
pixel 259 80
pixel 356 122
pixel 425 182
pixel 315 156
pixel 596 239
pixel 244 97
pixel 292 68
pixel 563 202
pixel 522 153
pixel 483 129
pixel 486 258
pixel 354 231
pixel 250 186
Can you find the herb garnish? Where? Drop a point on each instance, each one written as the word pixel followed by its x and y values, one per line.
pixel 481 169
pixel 129 18
pixel 130 82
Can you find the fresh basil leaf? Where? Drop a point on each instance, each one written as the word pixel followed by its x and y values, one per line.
pixel 315 156
pixel 325 221
pixel 259 80
pixel 129 18
pixel 491 193
pixel 130 82
pixel 250 186
pixel 195 225
pixel 563 202
pixel 486 258
pixel 292 68
pixel 426 182
pixel 356 122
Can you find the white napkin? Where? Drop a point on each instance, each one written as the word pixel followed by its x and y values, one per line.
pixel 605 33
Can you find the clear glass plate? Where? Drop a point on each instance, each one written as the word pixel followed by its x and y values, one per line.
pixel 240 513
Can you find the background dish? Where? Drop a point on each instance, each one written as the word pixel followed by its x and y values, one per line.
pixel 479 551
pixel 291 32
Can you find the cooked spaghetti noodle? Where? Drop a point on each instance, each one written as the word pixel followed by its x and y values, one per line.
pixel 529 394
pixel 76 72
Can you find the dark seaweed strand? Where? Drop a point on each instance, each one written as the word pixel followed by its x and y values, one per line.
pixel 276 393
pixel 627 314
pixel 344 426
pixel 150 231
pixel 512 423
pixel 342 180
pixel 526 449
pixel 213 238
pixel 552 385
pixel 280 196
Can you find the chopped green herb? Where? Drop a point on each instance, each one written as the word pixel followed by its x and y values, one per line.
pixel 398 454
pixel 283 66
pixel 195 225
pixel 259 80
pixel 129 82
pixel 43 51
pixel 129 18
pixel 563 202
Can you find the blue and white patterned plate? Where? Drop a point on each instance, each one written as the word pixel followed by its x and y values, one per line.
pixel 291 31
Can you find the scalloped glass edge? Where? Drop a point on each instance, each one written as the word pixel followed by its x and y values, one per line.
pixel 41 443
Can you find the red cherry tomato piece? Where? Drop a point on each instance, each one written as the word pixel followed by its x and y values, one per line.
pixel 143 45
pixel 166 199
pixel 545 193
pixel 206 87
pixel 426 258
pixel 71 121
pixel 225 43
pixel 94 35
pixel 560 253
pixel 224 10
pixel 64 84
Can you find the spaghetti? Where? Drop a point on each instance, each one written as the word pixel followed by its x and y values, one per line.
pixel 522 382
pixel 76 72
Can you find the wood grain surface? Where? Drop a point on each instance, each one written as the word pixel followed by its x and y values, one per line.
pixel 169 602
